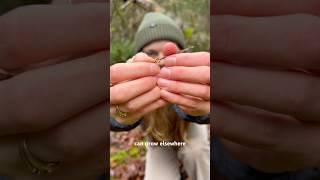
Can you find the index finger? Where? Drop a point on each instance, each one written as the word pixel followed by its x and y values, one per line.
pixel 200 74
pixel 188 59
pixel 128 71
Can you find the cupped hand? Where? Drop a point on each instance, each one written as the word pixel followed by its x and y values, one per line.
pixel 81 143
pixel 39 98
pixel 266 100
pixel 134 89
pixel 59 78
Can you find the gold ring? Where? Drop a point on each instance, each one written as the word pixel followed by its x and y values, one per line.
pixel 121 113
pixel 36 166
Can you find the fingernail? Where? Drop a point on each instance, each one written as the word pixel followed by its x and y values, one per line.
pixel 170 61
pixel 165 73
pixel 154 69
pixel 163 82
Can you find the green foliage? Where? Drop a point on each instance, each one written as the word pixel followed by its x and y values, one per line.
pixel 134 152
pixel 120 156
pixel 121 50
pixel 188 32
pixel 192 17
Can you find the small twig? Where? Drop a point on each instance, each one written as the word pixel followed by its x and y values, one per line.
pixel 125 5
pixel 160 62
pixel 186 50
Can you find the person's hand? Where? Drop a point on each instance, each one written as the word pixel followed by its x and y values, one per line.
pixel 134 89
pixel 185 80
pixel 266 83
pixel 80 145
pixel 59 78
pixel 39 98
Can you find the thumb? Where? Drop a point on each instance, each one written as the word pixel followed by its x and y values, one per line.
pixel 170 48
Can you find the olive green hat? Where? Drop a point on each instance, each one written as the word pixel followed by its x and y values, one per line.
pixel 157 26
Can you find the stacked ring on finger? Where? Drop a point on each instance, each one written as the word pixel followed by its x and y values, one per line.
pixel 36 165
pixel 121 113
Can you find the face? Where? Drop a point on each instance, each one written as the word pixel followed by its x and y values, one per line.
pixel 155 49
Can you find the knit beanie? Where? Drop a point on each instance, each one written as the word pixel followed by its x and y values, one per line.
pixel 157 26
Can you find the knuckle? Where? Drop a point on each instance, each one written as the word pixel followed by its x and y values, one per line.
pixel 176 72
pixel 205 93
pixel 271 137
pixel 176 100
pixel 156 91
pixel 305 101
pixel 205 56
pixel 206 74
pixel 151 81
pixel 119 96
pixel 303 97
pixel 130 107
pixel 183 56
pixel 192 103
pixel 174 86
pixel 114 72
